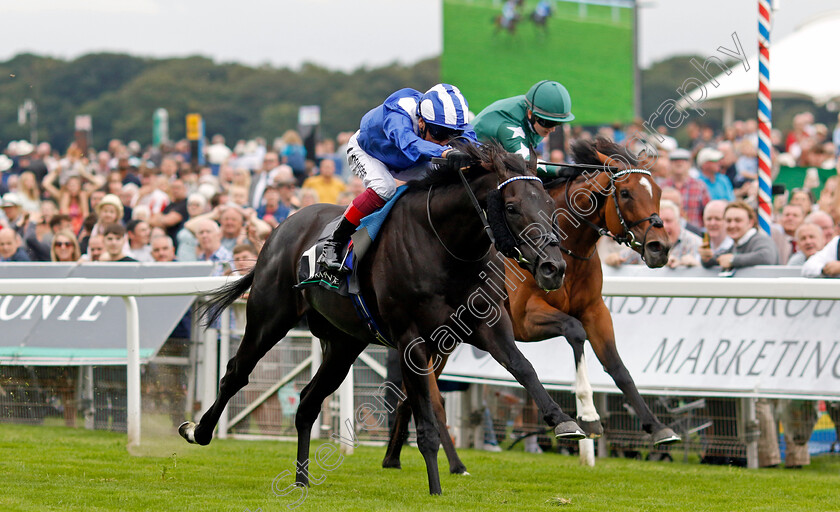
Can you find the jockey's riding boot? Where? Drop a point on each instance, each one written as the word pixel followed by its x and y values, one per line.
pixel 334 245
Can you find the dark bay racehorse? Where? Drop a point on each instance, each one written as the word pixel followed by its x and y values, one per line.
pixel 621 201
pixel 539 16
pixel 509 17
pixel 423 273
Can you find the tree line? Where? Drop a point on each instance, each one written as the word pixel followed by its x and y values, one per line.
pixel 121 92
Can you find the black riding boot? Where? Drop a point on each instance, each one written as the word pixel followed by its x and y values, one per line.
pixel 334 245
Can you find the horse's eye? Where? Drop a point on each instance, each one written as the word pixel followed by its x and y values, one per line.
pixel 511 208
pixel 625 194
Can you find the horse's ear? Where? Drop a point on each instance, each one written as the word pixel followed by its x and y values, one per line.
pixel 532 161
pixel 609 161
pixel 497 163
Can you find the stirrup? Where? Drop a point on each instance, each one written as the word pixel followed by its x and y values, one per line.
pixel 332 256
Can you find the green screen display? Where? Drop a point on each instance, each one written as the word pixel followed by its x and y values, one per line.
pixel 587 48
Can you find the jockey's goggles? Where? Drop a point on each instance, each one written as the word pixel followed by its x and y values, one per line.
pixel 442 133
pixel 545 123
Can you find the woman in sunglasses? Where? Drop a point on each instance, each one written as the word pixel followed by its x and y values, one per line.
pixel 396 141
pixel 520 123
pixel 65 247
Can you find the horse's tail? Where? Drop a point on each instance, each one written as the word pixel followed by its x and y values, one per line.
pixel 223 297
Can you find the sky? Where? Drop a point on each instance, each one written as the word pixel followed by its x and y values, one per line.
pixel 337 34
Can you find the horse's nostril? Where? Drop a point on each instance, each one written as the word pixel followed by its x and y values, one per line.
pixel 549 269
pixel 654 247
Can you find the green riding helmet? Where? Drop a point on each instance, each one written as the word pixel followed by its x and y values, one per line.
pixel 550 100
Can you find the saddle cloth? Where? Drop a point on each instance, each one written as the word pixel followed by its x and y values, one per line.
pixel 311 273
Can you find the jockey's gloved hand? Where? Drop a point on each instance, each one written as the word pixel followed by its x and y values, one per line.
pixel 456 160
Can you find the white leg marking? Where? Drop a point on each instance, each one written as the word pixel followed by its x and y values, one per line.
pixel 583 393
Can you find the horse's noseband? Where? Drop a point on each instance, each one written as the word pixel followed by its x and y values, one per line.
pixel 504 239
pixel 627 237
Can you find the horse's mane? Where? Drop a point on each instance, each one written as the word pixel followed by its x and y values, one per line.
pixel 489 155
pixel 584 152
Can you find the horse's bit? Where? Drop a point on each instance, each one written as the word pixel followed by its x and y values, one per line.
pixel 627 237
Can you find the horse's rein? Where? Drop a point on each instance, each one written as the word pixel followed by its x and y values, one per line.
pixel 627 238
pixel 432 225
pixel 483 217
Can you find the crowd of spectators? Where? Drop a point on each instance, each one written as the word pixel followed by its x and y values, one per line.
pixel 713 184
pixel 124 203
pixel 73 206
pixel 247 190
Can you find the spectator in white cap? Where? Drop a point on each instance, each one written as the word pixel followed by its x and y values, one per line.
pixel 109 211
pixel 718 184
pixel 6 163
pixel 13 212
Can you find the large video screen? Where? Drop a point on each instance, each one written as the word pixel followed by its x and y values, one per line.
pixel 586 47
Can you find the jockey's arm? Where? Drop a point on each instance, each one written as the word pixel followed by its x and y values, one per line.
pixel 399 130
pixel 513 140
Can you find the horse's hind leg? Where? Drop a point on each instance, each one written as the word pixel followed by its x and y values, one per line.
pixel 340 352
pixel 264 329
pixel 399 433
pixel 587 415
pixel 455 465
pixel 542 321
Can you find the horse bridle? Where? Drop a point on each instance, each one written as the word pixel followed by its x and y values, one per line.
pixel 627 237
pixel 510 250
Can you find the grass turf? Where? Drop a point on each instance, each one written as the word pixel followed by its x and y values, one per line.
pixel 592 56
pixel 57 468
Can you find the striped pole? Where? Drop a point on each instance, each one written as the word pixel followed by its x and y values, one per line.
pixel 765 184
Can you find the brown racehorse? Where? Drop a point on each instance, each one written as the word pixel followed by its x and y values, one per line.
pixel 622 202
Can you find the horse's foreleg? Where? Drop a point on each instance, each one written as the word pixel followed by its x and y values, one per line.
pixel 338 357
pixel 415 356
pixel 542 322
pixel 455 465
pixel 599 327
pixel 498 341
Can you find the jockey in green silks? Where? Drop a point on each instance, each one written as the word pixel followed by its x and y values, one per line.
pixel 520 123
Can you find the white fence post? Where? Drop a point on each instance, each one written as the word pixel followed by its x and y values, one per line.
pixel 224 356
pixel 211 365
pixel 316 363
pixel 750 432
pixel 347 419
pixel 132 325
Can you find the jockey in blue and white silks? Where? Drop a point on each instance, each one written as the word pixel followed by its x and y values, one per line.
pixel 397 140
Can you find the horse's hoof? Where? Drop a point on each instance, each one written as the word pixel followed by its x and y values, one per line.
pixel 187 431
pixel 460 470
pixel 665 436
pixel 391 464
pixel 593 429
pixel 466 473
pixel 569 430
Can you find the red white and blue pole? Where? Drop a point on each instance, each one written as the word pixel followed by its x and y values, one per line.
pixel 765 123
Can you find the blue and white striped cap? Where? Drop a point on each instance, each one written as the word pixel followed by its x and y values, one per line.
pixel 444 105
